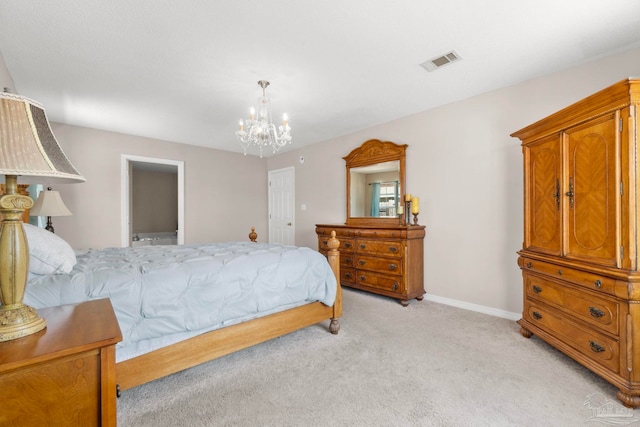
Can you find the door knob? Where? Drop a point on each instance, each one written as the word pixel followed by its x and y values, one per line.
pixel 289 224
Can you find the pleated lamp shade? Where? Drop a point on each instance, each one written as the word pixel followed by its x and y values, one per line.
pixel 28 147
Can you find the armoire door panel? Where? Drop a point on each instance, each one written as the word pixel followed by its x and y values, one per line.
pixel 544 219
pixel 593 192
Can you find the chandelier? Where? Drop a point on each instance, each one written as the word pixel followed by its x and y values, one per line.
pixel 259 130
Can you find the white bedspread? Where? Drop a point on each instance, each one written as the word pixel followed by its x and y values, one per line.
pixel 162 294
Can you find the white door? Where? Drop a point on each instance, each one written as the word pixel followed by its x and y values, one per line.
pixel 281 206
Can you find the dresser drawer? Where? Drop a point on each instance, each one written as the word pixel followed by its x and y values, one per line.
pixel 382 265
pixel 347 260
pixel 341 233
pixel 346 244
pixel 581 278
pixel 380 247
pixel 380 233
pixel 590 343
pixel 347 275
pixel 379 281
pixel 599 311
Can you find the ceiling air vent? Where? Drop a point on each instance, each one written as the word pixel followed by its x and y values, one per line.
pixel 440 61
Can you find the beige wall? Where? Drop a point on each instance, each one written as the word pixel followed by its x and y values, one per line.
pixel 225 193
pixel 6 81
pixel 467 171
pixel 154 201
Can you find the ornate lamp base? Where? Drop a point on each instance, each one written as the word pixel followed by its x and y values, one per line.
pixel 19 321
pixel 16 319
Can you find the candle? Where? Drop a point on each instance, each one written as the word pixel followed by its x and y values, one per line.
pixel 241 124
pixel 400 210
pixel 407 197
pixel 252 113
pixel 285 120
pixel 415 205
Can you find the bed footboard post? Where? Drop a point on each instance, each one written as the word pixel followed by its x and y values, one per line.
pixel 333 256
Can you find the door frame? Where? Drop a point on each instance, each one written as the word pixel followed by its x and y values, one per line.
pixel 125 170
pixel 292 170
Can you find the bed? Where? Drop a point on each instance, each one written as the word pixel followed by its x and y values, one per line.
pixel 168 299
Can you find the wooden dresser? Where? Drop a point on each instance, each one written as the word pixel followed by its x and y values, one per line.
pixel 65 374
pixel 386 260
pixel 580 252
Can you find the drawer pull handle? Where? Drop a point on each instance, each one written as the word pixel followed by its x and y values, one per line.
pixel 537 289
pixel 362 278
pixel 324 243
pixel 362 262
pixel 393 267
pixel 529 264
pixel 537 315
pixel 363 246
pixel 597 283
pixel 597 348
pixel 347 245
pixel 395 286
pixel 393 249
pixel 559 272
pixel 596 312
pixel 348 259
pixel 347 275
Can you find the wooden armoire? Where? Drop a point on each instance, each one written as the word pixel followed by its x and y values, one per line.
pixel 579 258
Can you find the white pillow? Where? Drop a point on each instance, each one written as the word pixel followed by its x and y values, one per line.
pixel 49 254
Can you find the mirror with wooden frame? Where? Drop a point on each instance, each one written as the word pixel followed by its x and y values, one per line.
pixel 375 183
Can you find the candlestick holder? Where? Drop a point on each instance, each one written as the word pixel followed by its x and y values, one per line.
pixel 415 218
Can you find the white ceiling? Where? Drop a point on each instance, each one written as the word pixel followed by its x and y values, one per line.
pixel 187 70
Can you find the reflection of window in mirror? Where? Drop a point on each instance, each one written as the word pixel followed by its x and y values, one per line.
pixel 384 199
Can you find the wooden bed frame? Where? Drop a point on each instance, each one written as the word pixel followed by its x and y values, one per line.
pixel 220 342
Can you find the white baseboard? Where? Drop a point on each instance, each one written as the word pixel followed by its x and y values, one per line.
pixel 474 307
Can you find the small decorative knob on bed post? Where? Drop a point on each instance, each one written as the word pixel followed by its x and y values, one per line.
pixel 253 236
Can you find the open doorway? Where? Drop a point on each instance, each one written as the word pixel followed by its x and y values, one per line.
pixel 149 166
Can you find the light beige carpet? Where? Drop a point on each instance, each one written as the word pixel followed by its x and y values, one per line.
pixel 424 365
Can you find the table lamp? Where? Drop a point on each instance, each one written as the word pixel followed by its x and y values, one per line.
pixel 28 149
pixel 49 204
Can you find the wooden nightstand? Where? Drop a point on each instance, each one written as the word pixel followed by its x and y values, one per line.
pixel 64 374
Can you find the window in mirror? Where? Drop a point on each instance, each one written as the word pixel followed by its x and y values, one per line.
pixel 387 199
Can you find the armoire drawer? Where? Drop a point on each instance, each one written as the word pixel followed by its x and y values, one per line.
pixel 590 343
pixel 581 278
pixel 379 281
pixel 599 311
pixel 383 265
pixel 381 247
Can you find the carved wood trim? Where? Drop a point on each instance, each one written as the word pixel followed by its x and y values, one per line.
pixel 375 151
